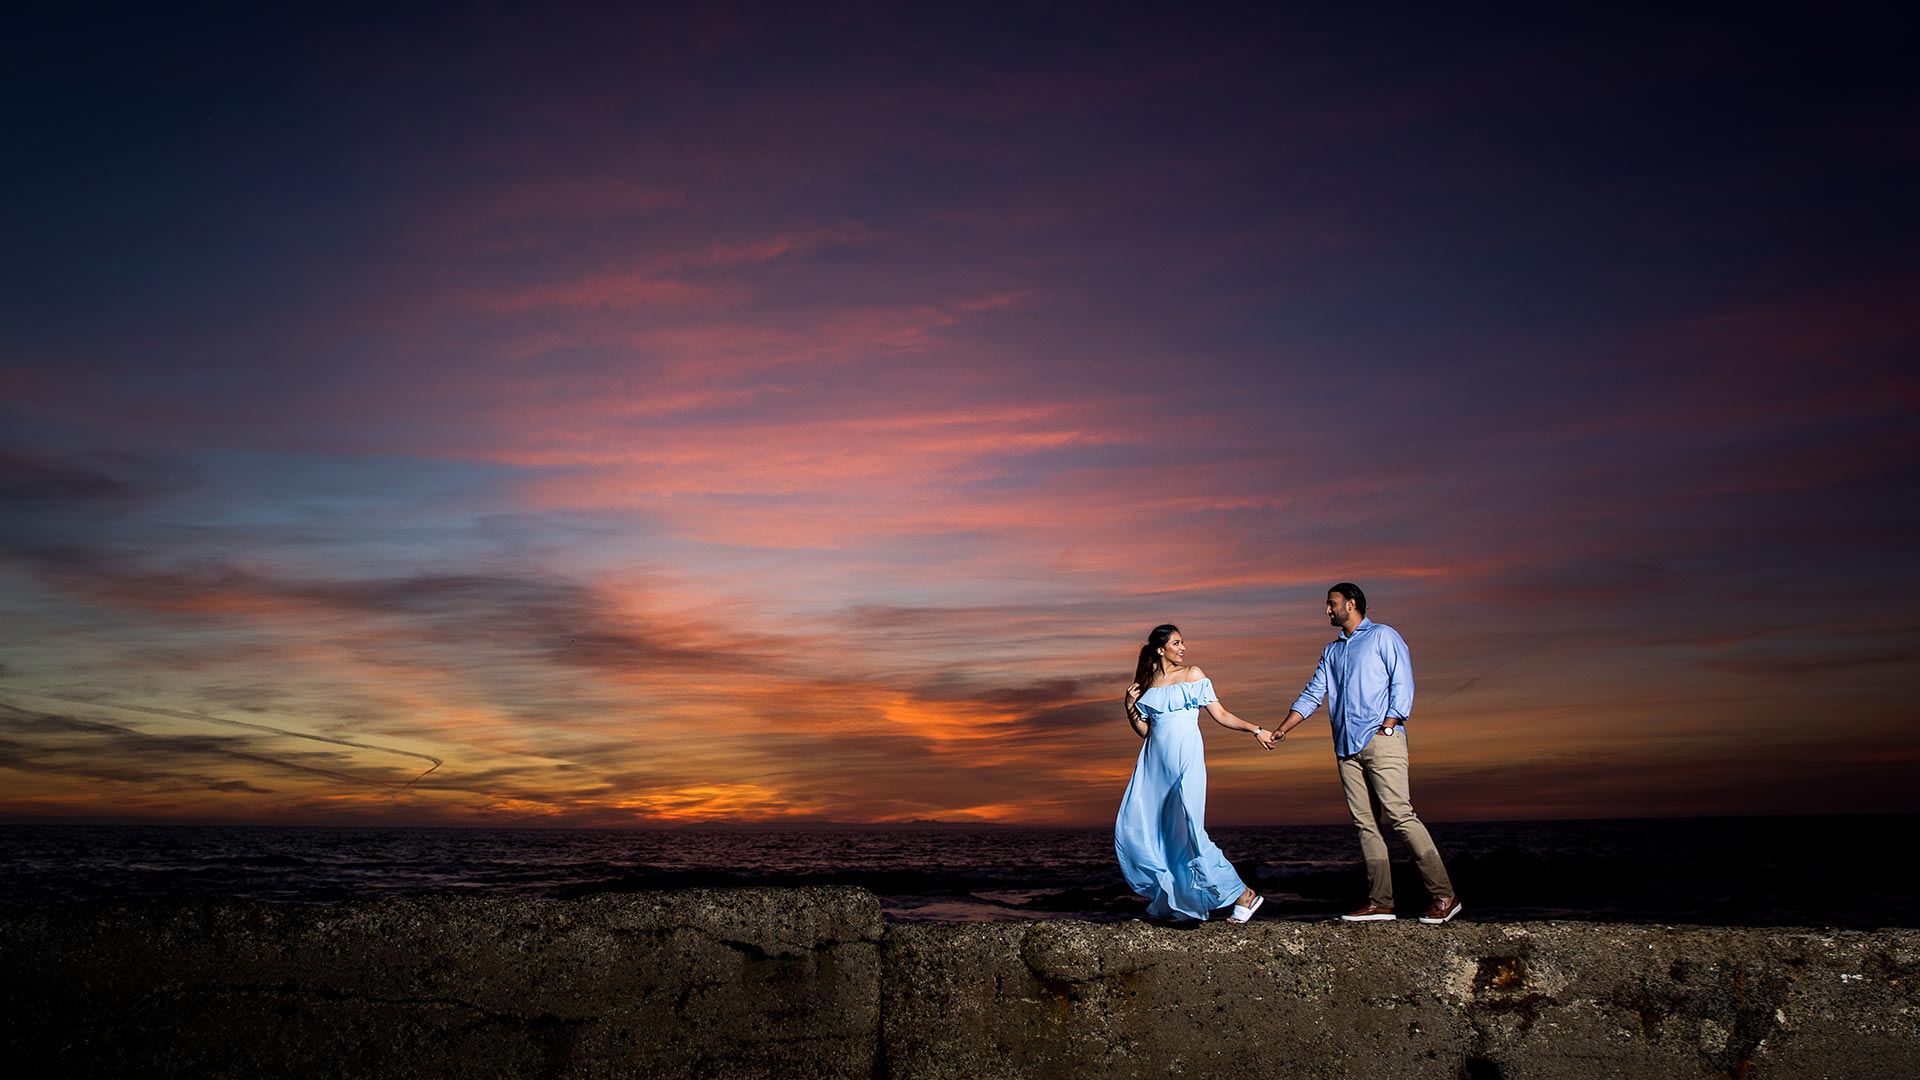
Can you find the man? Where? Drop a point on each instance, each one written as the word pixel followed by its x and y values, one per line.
pixel 1365 678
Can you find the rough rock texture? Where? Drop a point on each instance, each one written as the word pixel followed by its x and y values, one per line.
pixel 749 983
pixel 1380 1000
pixel 812 982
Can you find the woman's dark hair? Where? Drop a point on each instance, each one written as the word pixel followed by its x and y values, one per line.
pixel 1353 594
pixel 1150 654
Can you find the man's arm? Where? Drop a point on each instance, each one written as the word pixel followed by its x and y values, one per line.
pixel 1309 699
pixel 1399 679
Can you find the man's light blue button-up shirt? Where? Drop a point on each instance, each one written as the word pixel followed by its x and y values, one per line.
pixel 1364 677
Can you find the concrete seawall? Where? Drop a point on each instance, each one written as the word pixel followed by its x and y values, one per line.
pixel 813 982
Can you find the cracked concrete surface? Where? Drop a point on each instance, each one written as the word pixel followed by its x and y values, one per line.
pixel 813 982
pixel 749 982
pixel 1392 1000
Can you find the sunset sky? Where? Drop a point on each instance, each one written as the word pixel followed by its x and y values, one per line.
pixel 745 415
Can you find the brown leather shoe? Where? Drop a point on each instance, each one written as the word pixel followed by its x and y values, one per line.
pixel 1443 910
pixel 1371 913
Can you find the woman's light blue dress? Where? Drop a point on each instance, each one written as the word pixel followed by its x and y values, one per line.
pixel 1160 835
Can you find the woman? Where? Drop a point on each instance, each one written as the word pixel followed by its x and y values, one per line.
pixel 1160 834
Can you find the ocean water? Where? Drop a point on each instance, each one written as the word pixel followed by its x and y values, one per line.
pixel 1802 871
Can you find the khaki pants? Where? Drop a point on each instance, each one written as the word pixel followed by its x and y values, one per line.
pixel 1376 783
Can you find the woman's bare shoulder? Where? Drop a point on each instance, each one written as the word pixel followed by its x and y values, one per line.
pixel 1194 674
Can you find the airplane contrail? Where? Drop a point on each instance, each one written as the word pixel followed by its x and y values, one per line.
pixel 178 714
pixel 102 727
pixel 1510 658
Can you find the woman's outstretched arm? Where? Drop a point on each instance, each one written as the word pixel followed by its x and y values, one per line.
pixel 1227 720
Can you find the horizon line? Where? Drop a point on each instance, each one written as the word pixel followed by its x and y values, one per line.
pixel 918 823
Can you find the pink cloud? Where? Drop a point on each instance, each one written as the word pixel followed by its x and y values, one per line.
pixel 480 207
pixel 614 291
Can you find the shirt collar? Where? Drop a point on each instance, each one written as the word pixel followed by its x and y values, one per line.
pixel 1366 624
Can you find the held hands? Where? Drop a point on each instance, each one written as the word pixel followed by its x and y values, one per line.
pixel 1267 738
